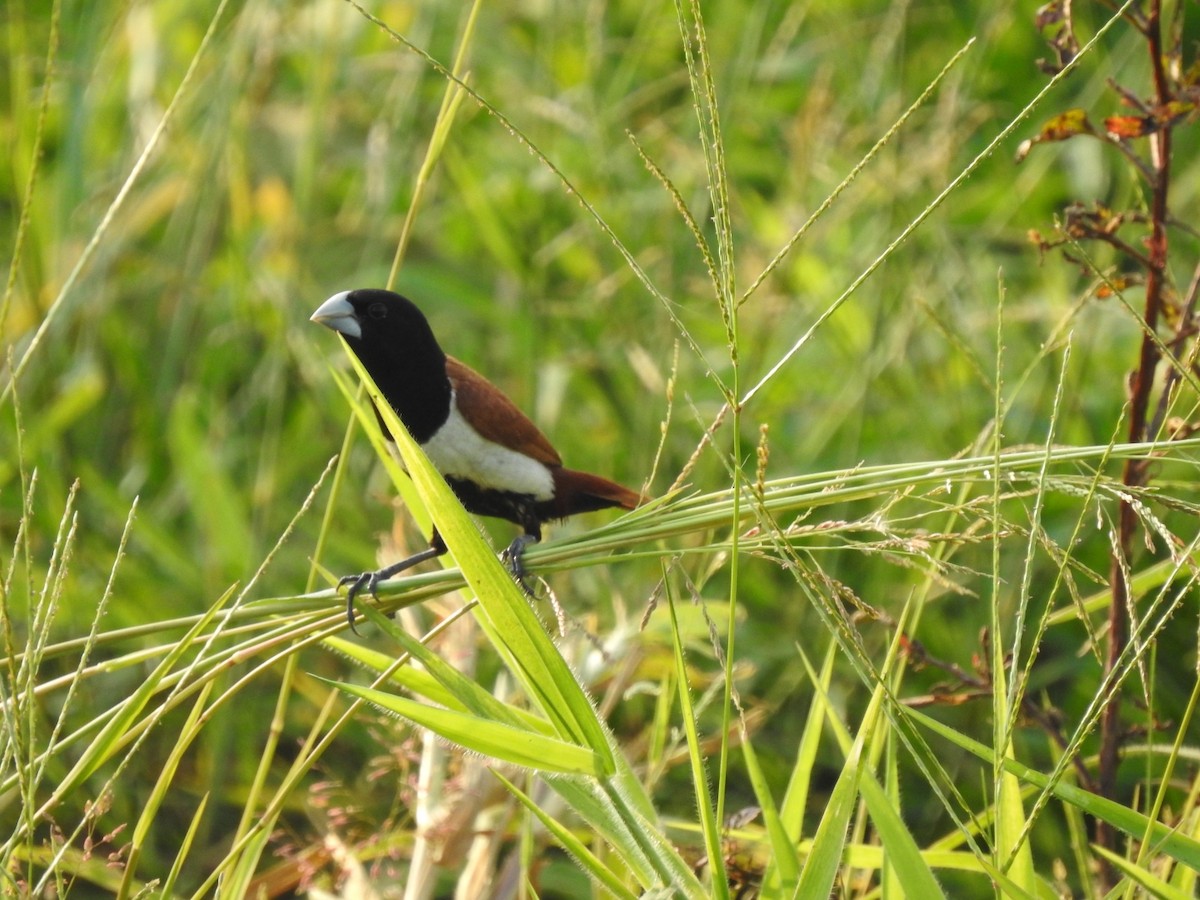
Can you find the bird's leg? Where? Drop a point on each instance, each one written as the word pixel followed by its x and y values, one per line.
pixel 512 556
pixel 370 580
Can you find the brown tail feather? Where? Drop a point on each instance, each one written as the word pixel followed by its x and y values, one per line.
pixel 577 492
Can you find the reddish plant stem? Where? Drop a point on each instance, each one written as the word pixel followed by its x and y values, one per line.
pixel 1134 472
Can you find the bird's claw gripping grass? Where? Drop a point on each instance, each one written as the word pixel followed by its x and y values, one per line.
pixel 513 560
pixel 367 580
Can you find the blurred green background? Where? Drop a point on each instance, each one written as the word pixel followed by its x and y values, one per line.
pixel 180 368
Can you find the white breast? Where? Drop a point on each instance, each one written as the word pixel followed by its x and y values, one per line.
pixel 458 451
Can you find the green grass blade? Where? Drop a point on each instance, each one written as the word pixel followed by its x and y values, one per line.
pixel 1166 840
pixel 504 742
pixel 783 848
pixel 399 478
pixel 708 820
pixel 607 807
pixel 903 855
pixel 1146 880
pixel 472 698
pixel 825 857
pixel 898 842
pixel 114 731
pixel 587 860
pixel 517 632
pixel 830 842
pixel 154 802
pixel 219 504
pixel 185 846
pixel 411 679
pixel 1008 887
pixel 795 800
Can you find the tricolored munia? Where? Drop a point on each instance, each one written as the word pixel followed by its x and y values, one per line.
pixel 495 460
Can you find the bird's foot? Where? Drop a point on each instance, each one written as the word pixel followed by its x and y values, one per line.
pixel 368 581
pixel 512 559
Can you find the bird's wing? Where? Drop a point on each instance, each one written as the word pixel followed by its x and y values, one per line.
pixel 495 417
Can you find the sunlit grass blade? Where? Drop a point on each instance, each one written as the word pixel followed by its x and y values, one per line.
pixel 611 808
pixel 1165 839
pixel 1011 854
pixel 239 882
pixel 185 847
pixel 528 749
pixel 690 17
pixel 519 636
pixel 1146 880
pixel 783 848
pixel 166 776
pixel 451 100
pixel 709 828
pixel 399 478
pixel 795 799
pixel 587 860
pixel 114 731
pixel 418 681
pixel 903 853
pixel 825 855
pixel 829 843
pixel 1009 887
pixel 460 691
pixel 1010 822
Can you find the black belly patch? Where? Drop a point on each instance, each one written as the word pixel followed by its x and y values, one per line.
pixel 521 509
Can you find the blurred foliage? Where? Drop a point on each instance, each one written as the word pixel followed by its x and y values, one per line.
pixel 180 367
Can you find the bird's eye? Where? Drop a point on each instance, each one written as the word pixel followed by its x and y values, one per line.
pixel 377 311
